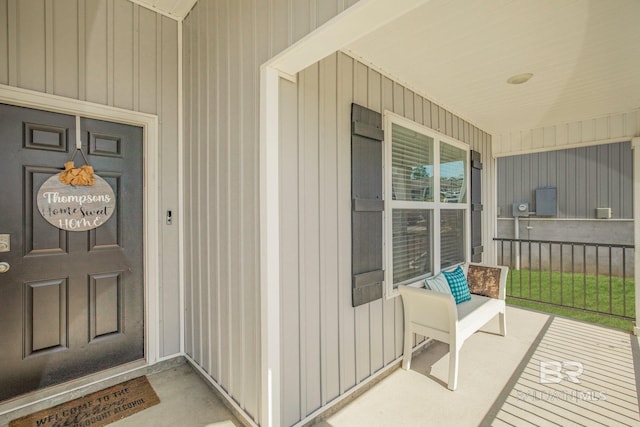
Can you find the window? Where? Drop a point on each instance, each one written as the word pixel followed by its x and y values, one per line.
pixel 426 220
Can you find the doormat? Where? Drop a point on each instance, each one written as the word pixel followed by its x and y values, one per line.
pixel 96 409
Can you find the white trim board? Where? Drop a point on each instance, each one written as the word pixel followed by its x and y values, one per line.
pixel 562 147
pixel 149 123
pixel 178 12
pixel 181 226
pixel 534 218
pixel 609 129
pixel 355 22
pixel 635 145
pixel 270 247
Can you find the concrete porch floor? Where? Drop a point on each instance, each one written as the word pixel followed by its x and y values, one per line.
pixel 500 381
pixel 186 400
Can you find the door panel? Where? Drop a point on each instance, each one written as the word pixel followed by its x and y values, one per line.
pixel 72 303
pixel 105 305
pixel 45 304
pixel 46 137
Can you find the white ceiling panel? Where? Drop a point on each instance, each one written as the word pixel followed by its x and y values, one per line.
pixel 584 54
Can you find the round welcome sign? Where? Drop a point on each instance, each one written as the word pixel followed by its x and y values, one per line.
pixel 76 208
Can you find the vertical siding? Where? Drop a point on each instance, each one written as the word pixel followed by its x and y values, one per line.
pixel 97 84
pixel 330 333
pixel 328 346
pixel 109 52
pixel 188 142
pixel 29 54
pixel 65 58
pixel 166 107
pixel 225 42
pixel 586 178
pixel 612 127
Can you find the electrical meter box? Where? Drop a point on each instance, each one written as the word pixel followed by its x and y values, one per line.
pixel 520 209
pixel 547 201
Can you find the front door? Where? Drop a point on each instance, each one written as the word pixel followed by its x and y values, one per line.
pixel 71 303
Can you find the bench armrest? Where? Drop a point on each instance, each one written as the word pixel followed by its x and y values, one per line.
pixel 429 308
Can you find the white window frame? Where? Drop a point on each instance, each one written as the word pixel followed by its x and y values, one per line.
pixel 436 206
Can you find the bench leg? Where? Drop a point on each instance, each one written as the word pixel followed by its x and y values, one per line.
pixel 408 349
pixel 454 351
pixel 503 324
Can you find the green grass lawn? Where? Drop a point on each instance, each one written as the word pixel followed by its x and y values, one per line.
pixel 573 292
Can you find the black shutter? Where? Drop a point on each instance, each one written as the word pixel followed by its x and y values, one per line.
pixel 367 205
pixel 476 207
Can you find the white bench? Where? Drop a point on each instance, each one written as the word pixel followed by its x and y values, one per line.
pixel 436 315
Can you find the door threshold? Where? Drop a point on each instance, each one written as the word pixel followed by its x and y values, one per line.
pixel 55 395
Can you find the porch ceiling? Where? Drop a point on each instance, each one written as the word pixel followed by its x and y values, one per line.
pixel 584 56
pixel 176 9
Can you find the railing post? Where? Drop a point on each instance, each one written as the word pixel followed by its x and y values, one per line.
pixel 635 145
pixel 516 235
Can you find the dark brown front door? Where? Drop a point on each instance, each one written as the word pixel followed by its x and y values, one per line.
pixel 71 303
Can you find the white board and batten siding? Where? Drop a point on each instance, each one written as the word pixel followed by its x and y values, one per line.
pixel 618 127
pixel 115 53
pixel 328 347
pixel 224 44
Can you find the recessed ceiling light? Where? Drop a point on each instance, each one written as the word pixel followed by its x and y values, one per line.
pixel 518 79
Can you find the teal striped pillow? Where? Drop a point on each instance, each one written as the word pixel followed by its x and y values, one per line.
pixel 458 285
pixel 437 283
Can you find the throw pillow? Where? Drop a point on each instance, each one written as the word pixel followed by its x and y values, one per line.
pixel 437 283
pixel 484 280
pixel 458 285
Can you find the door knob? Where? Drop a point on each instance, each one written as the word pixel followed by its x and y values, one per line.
pixel 4 267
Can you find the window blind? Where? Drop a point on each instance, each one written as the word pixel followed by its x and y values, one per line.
pixel 451 237
pixel 412 165
pixel 453 165
pixel 412 244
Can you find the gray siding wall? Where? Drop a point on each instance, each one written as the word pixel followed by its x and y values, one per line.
pixel 328 346
pixel 586 178
pixel 114 53
pixel 225 42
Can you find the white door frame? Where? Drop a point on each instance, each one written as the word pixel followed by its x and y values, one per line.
pixel 149 123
